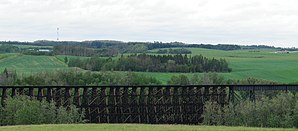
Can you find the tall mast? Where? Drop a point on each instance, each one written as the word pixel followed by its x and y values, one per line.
pixel 57 34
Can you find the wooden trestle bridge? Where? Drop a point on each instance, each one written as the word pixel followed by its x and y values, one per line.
pixel 138 104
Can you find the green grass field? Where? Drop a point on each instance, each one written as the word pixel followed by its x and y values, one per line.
pixel 27 64
pixel 261 64
pixel 61 57
pixel 131 127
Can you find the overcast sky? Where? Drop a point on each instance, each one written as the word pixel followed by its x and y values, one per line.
pixel 270 22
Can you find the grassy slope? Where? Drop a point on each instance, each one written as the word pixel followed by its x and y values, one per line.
pixel 26 64
pixel 61 57
pixel 129 127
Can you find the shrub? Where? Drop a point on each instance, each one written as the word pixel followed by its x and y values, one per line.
pixel 278 111
pixel 179 80
pixel 211 113
pixel 25 110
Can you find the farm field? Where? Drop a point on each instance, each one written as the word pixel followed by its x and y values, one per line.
pixel 27 64
pixel 261 64
pixel 129 127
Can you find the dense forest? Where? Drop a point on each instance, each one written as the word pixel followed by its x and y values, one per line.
pixel 153 63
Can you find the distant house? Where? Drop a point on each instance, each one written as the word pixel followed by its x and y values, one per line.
pixel 44 50
pixel 282 52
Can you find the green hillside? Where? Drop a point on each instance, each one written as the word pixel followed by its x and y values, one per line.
pixel 26 64
pixel 262 64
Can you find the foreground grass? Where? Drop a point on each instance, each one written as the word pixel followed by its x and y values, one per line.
pixel 131 127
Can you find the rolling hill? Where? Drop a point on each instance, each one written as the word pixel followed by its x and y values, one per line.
pixel 259 63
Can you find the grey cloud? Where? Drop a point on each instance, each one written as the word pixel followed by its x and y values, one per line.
pixel 197 21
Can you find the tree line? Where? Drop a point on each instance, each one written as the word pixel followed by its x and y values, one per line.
pixel 6 48
pixel 125 47
pixel 157 45
pixel 84 51
pixel 212 78
pixel 111 48
pixel 78 77
pixel 75 77
pixel 173 51
pixel 153 63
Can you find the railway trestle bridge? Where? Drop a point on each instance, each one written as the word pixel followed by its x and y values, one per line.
pixel 154 104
